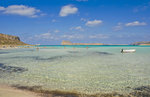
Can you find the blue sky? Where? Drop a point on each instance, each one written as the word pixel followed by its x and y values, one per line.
pixel 86 21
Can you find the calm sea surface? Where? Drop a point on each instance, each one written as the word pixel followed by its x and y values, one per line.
pixel 77 68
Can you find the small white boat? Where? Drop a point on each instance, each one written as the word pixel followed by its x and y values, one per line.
pixel 128 51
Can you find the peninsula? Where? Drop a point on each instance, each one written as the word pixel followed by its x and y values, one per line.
pixel 10 41
pixel 142 43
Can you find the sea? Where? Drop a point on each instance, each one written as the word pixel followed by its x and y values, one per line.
pixel 82 68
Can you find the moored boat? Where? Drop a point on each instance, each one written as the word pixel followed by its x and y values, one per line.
pixel 128 51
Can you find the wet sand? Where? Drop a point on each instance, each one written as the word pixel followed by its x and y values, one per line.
pixel 35 91
pixel 6 91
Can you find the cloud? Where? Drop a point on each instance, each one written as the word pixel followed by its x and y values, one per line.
pixel 67 10
pixel 78 28
pixel 20 10
pixel 83 19
pixel 2 8
pixel 72 36
pixel 118 27
pixel 93 23
pixel 99 36
pixel 44 36
pixel 136 23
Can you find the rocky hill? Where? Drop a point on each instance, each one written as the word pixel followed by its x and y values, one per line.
pixel 70 43
pixel 10 40
pixel 142 43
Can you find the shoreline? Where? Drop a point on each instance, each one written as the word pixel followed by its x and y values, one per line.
pixel 8 91
pixel 14 46
pixel 37 91
pixel 34 46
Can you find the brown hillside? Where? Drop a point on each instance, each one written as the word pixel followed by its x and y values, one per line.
pixel 10 40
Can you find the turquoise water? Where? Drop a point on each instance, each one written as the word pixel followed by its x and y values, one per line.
pixel 76 68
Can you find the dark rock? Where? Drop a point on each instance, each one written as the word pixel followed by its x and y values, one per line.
pixel 11 69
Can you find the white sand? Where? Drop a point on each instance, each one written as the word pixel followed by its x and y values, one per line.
pixel 6 91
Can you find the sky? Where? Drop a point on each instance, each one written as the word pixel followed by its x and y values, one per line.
pixel 48 22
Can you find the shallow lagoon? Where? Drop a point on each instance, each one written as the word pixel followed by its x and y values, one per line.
pixel 93 70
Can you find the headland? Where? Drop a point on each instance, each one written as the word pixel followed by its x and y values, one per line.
pixel 9 41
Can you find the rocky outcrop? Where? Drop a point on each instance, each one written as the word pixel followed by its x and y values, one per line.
pixel 70 43
pixel 66 42
pixel 10 40
pixel 142 43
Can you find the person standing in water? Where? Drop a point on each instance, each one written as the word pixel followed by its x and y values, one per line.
pixel 121 50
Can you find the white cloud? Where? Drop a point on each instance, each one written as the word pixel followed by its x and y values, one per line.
pixel 118 27
pixel 2 8
pixel 136 23
pixel 68 9
pixel 99 36
pixel 44 36
pixel 93 23
pixel 72 36
pixel 20 10
pixel 83 19
pixel 49 36
pixel 77 28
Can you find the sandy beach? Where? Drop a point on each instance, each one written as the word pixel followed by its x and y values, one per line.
pixel 8 46
pixel 23 91
pixel 6 91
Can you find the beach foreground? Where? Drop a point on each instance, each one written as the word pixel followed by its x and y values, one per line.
pixel 23 91
pixel 6 91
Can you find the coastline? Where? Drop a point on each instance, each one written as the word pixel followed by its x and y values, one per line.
pixel 144 44
pixel 35 91
pixel 7 91
pixel 24 91
pixel 14 46
pixel 8 46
